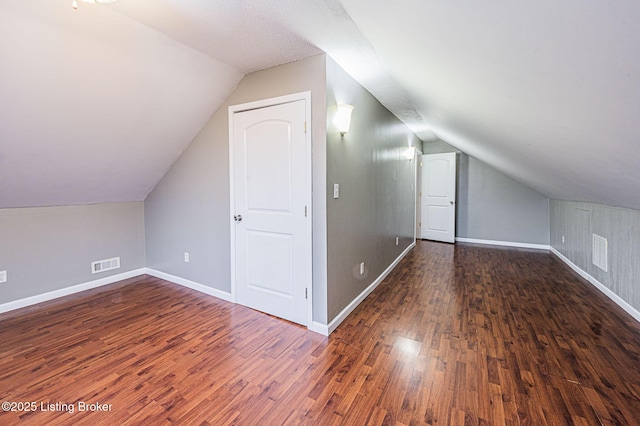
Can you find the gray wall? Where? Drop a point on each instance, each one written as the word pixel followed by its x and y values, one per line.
pixel 493 206
pixel 189 209
pixel 438 147
pixel 49 248
pixel 577 221
pixel 377 191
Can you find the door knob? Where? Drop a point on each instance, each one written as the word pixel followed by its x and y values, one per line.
pixel 237 218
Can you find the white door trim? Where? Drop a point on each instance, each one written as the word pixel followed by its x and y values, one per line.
pixel 233 109
pixel 416 175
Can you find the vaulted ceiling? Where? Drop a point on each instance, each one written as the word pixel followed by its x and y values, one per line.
pixel 97 103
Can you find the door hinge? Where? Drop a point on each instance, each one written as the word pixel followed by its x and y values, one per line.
pixel 305 127
pixel 305 211
pixel 305 293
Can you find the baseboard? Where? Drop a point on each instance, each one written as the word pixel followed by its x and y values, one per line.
pixel 354 304
pixel 504 243
pixel 604 289
pixel 597 284
pixel 315 326
pixel 44 297
pixel 191 284
pixel 319 328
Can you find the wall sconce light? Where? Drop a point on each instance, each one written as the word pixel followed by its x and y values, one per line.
pixel 410 153
pixel 343 118
pixel 74 3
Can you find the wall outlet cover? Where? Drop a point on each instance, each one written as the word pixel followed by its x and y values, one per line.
pixel 3 276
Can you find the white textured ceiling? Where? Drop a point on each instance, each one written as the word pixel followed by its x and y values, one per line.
pixel 97 103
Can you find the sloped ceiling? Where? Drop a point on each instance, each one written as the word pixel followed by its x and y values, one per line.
pixel 547 92
pixel 97 103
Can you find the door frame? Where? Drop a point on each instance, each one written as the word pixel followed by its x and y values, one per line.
pixel 264 103
pixel 417 159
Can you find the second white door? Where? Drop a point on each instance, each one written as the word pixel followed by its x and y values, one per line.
pixel 438 209
pixel 272 242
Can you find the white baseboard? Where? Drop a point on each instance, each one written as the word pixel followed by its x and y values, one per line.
pixel 597 284
pixel 315 326
pixel 604 289
pixel 44 297
pixel 504 243
pixel 191 284
pixel 321 328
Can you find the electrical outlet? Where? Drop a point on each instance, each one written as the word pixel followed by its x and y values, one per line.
pixel 336 190
pixel 362 268
pixel 3 276
pixel 186 257
pixel 397 240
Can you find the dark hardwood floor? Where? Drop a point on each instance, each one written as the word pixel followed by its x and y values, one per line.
pixel 458 334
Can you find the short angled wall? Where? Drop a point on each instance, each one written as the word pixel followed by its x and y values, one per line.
pixel 573 226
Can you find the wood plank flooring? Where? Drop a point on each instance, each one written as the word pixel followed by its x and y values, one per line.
pixel 460 334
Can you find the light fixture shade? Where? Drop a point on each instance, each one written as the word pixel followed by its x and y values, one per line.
pixel 74 3
pixel 343 118
pixel 410 153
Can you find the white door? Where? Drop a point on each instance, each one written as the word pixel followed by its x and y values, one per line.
pixel 271 210
pixel 438 210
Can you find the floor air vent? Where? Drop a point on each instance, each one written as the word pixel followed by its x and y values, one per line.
pixel 105 265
